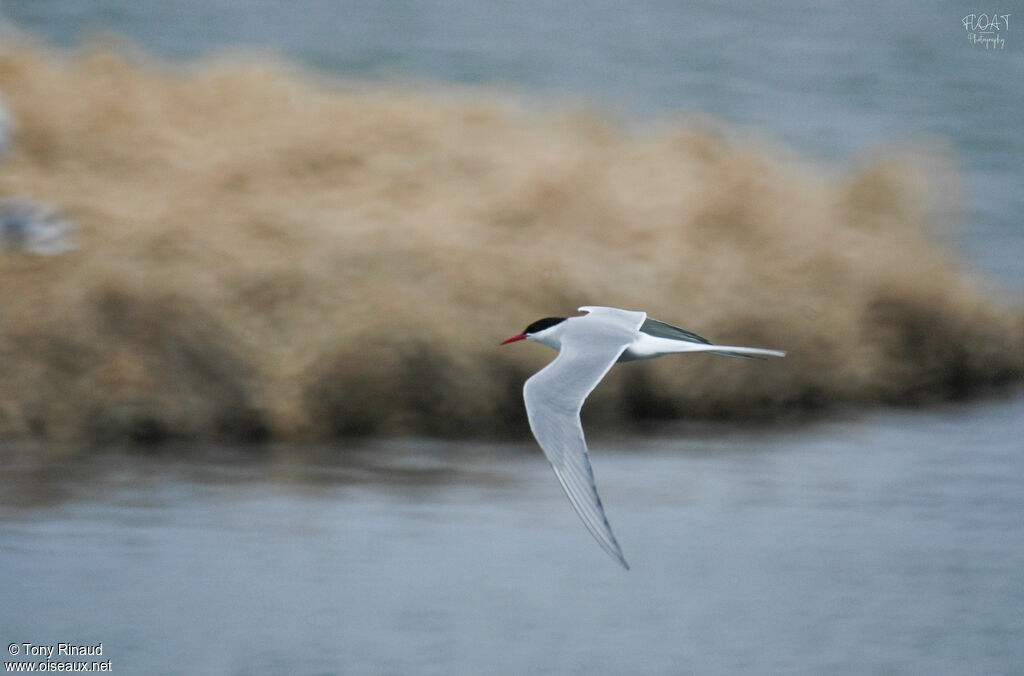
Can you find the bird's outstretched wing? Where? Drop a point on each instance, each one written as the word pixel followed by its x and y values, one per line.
pixel 555 394
pixel 660 329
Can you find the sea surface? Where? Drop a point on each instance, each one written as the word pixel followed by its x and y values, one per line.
pixel 888 543
pixel 882 541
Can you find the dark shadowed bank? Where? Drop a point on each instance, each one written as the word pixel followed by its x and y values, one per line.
pixel 265 254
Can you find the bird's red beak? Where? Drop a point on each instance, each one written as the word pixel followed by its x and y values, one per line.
pixel 518 336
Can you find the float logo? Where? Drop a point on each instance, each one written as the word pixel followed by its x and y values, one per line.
pixel 987 30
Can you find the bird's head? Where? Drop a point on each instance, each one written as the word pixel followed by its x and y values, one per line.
pixel 544 331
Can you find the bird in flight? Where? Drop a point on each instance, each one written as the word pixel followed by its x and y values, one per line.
pixel 588 346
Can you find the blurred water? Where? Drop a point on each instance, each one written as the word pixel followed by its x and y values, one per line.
pixel 831 79
pixel 891 544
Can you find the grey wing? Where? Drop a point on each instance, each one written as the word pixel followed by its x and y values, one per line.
pixel 660 329
pixel 554 397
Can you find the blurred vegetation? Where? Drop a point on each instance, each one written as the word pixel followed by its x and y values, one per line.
pixel 267 254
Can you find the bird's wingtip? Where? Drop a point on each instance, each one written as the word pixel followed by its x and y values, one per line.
pixel 616 553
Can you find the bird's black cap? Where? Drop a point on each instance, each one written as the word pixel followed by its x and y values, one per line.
pixel 542 324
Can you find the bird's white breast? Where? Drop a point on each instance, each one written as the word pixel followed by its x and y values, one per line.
pixel 647 346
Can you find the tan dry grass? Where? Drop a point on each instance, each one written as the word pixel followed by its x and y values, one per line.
pixel 268 253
